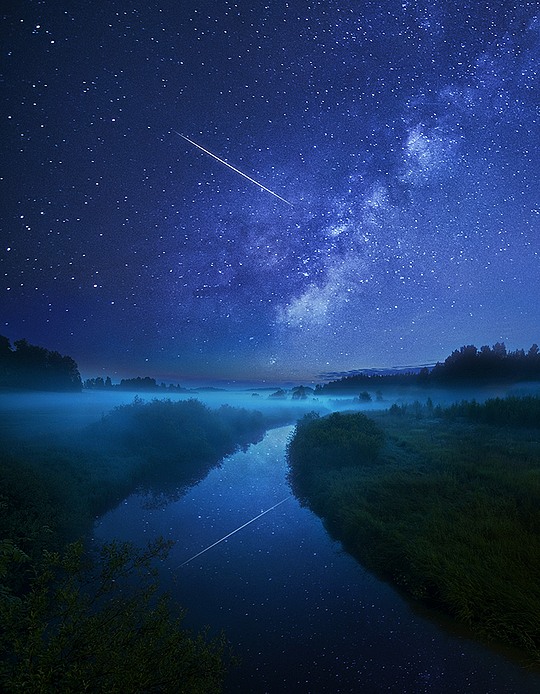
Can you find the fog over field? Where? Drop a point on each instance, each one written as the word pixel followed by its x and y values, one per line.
pixel 29 414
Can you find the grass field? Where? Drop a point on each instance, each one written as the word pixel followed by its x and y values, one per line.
pixel 446 509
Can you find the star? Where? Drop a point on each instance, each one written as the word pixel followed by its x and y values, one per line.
pixel 406 137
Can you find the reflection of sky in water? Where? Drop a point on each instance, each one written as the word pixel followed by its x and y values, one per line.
pixel 304 616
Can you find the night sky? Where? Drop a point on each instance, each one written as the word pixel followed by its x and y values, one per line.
pixel 404 134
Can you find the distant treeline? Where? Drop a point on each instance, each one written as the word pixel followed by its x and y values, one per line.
pixel 467 365
pixel 28 367
pixel 503 412
pixel 139 384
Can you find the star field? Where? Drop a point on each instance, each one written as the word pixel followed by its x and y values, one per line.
pixel 405 134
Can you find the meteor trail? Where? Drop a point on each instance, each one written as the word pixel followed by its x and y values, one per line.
pixel 230 166
pixel 233 532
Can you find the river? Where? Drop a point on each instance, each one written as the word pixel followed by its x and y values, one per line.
pixel 300 612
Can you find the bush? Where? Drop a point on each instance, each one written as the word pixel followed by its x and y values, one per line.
pixel 339 440
pixel 98 626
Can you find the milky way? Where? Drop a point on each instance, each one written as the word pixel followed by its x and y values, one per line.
pixel 405 133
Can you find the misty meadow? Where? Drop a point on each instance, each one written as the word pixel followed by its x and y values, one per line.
pixel 269 364
pixel 434 494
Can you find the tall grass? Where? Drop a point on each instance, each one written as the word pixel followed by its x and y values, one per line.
pixel 450 514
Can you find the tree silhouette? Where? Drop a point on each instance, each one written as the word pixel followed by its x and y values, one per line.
pixel 467 365
pixel 30 367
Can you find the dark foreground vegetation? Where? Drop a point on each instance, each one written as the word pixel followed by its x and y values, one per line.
pixel 101 625
pixel 443 503
pixel 75 623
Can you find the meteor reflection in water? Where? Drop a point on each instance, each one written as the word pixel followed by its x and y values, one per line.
pixel 232 532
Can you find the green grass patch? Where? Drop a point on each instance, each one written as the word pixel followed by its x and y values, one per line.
pixel 447 510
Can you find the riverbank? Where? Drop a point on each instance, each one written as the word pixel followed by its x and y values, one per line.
pixel 446 510
pixel 301 613
pixel 70 618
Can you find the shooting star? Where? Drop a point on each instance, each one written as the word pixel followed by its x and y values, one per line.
pixel 230 166
pixel 232 533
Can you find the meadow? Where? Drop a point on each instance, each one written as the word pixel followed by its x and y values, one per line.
pixel 442 502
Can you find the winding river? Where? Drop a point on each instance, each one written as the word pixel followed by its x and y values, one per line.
pixel 301 613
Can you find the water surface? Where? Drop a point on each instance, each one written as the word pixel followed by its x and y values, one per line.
pixel 302 614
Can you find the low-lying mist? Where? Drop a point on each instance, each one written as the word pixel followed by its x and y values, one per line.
pixel 66 459
pixel 28 415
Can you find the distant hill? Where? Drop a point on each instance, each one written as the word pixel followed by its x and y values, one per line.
pixel 144 383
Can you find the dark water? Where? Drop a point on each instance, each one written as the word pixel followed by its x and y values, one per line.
pixel 302 614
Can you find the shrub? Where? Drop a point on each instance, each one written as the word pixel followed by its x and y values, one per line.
pixel 98 626
pixel 339 440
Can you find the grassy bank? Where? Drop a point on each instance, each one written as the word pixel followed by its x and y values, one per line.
pixel 71 620
pixel 52 488
pixel 445 508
